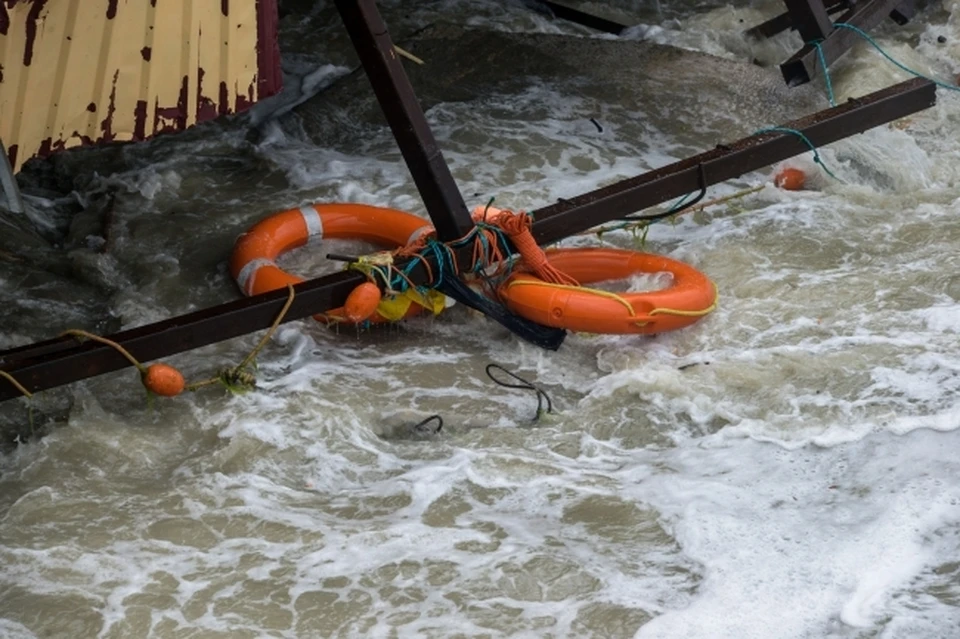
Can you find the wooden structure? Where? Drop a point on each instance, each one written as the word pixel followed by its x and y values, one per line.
pixel 63 360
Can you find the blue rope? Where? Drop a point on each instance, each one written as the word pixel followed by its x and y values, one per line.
pixel 433 246
pixel 826 71
pixel 680 203
pixel 862 34
pixel 816 154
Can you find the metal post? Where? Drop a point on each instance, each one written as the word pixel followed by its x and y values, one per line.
pixel 810 18
pixel 572 14
pixel 784 21
pixel 400 106
pixel 9 182
pixel 805 64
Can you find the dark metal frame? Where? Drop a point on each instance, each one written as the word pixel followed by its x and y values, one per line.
pixel 803 65
pixel 811 18
pixel 784 22
pixel 566 12
pixel 63 360
pixel 400 106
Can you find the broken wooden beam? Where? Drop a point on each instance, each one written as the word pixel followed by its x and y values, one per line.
pixel 63 360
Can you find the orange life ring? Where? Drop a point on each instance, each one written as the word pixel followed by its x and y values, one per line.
pixel 253 264
pixel 577 308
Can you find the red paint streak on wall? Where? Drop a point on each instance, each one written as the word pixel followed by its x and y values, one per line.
pixel 269 76
pixel 140 120
pixel 107 124
pixel 166 119
pixel 177 114
pixel 244 102
pixel 224 101
pixel 206 108
pixel 32 16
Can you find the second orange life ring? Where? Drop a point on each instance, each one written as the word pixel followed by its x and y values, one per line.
pixel 253 262
pixel 578 308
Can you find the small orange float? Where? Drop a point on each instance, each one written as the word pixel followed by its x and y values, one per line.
pixel 790 179
pixel 578 308
pixel 253 262
pixel 362 302
pixel 163 379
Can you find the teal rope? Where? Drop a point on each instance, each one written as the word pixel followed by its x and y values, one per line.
pixel 679 204
pixel 826 71
pixel 816 154
pixel 862 34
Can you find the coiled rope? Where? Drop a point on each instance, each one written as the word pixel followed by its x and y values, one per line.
pixel 525 385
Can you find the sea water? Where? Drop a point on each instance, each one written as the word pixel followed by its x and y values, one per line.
pixel 785 468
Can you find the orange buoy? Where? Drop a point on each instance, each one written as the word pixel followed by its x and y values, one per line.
pixel 790 179
pixel 579 308
pixel 253 262
pixel 362 302
pixel 163 379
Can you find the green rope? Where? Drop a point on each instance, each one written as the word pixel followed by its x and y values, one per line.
pixel 865 36
pixel 826 71
pixel 816 154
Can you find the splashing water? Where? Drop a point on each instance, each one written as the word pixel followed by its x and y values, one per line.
pixel 785 468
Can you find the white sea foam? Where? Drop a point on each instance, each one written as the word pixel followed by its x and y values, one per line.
pixel 784 469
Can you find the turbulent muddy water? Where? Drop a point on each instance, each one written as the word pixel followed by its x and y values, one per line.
pixel 788 467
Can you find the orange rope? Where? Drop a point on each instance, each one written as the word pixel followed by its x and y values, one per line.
pixel 518 228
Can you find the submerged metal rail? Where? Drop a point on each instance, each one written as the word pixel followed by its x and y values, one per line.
pixel 61 361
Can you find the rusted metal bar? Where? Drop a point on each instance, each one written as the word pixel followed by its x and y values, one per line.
pixel 403 113
pixel 729 161
pixel 810 19
pixel 805 63
pixel 565 12
pixel 61 361
pixel 783 22
pixel 903 12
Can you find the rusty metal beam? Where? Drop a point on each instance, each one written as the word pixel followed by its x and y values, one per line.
pixel 805 63
pixel 783 22
pixel 61 361
pixel 373 44
pixel 729 161
pixel 566 12
pixel 810 19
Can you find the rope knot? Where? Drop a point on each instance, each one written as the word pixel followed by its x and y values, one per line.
pixel 518 227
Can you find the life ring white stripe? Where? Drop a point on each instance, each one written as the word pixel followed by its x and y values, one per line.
pixel 313 221
pixel 420 231
pixel 247 274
